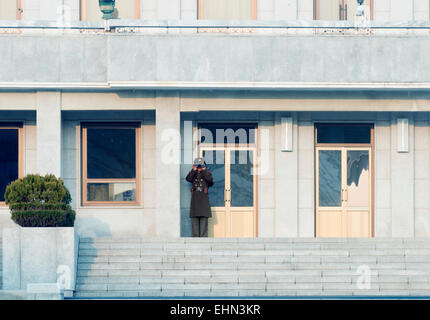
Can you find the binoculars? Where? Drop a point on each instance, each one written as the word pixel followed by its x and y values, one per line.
pixel 199 163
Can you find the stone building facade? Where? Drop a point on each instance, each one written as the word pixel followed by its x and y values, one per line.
pixel 335 118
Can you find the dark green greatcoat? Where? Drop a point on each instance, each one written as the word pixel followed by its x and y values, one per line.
pixel 201 181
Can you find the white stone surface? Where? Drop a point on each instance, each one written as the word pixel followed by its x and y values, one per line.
pixel 39 255
pixel 49 132
pixel 266 194
pixel 382 164
pixel 115 222
pixel 161 9
pixel 306 223
pixel 13 295
pixel 44 291
pixel 168 152
pixel 402 9
pixel 286 184
pixel 421 10
pixel 266 223
pixel 402 183
pixel 11 259
pixel 382 222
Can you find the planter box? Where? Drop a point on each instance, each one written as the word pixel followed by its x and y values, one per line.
pixel 39 255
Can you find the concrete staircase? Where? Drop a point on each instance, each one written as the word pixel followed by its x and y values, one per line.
pixel 261 267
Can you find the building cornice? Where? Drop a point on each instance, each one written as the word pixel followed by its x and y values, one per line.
pixel 202 85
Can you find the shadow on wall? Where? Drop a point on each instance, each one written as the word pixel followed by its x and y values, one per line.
pixel 185 223
pixel 6 222
pixel 92 228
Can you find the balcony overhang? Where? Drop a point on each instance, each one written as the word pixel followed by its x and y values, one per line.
pixel 201 85
pixel 92 58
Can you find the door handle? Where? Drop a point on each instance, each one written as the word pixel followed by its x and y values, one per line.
pixel 227 195
pixel 345 194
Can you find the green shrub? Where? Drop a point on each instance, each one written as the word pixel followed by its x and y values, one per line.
pixel 37 201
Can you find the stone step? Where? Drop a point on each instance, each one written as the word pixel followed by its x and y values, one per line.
pixel 355 266
pixel 250 246
pixel 133 267
pixel 344 279
pixel 248 293
pixel 249 286
pixel 408 260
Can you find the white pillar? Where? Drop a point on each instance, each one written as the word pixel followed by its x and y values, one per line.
pixel 168 156
pixel 286 184
pixel 49 132
pixel 402 182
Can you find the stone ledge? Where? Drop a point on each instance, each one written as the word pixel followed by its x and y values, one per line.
pixel 13 295
pixel 121 23
pixel 44 291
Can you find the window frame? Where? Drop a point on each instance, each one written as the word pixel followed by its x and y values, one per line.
pixel 20 128
pixel 337 144
pixel 341 2
pixel 83 10
pixel 200 4
pixel 86 180
pixel 19 9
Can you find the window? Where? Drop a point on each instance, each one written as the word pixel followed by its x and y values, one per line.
pixel 344 133
pixel 10 10
pixel 111 163
pixel 339 9
pixel 124 9
pixel 232 133
pixel 227 9
pixel 11 164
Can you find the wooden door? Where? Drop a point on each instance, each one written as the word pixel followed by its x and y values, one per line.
pixel 343 192
pixel 233 195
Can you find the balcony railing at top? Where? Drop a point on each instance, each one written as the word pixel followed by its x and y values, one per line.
pixel 369 27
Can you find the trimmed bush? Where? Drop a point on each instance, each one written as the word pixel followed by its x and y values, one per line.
pixel 37 201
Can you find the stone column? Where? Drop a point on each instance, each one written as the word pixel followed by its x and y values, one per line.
pixel 306 176
pixel 402 182
pixel 382 171
pixel 168 153
pixel 286 183
pixel 422 175
pixel 49 133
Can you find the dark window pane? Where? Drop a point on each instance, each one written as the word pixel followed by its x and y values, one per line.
pixel 111 192
pixel 8 158
pixel 215 163
pixel 330 178
pixel 230 133
pixel 241 179
pixel 343 133
pixel 111 153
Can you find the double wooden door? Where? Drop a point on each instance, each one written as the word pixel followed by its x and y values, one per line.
pixel 344 192
pixel 233 195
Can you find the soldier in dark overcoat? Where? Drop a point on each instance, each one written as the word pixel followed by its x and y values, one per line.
pixel 200 209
